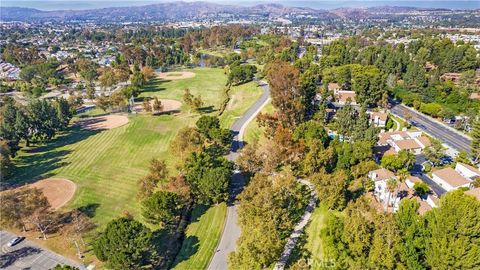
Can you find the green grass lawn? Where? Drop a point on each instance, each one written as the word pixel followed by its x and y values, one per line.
pixel 202 237
pixel 106 165
pixel 253 131
pixel 241 98
pixel 314 241
pixel 208 82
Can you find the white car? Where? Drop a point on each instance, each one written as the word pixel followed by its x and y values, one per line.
pixel 15 241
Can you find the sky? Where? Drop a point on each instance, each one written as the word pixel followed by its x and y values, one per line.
pixel 319 4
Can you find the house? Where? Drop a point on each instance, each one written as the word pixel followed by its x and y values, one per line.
pixel 450 179
pixel 411 180
pixel 475 192
pixel 475 96
pixel 467 171
pixel 333 87
pixel 404 140
pixel 378 119
pixel 451 76
pixel 380 178
pixel 343 96
pixel 429 66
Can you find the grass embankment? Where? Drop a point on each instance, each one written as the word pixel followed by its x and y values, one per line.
pixel 241 98
pixel 314 240
pixel 201 237
pixel 253 131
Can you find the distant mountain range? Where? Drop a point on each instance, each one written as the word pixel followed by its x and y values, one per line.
pixel 186 10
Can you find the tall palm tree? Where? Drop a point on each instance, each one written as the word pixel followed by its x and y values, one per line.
pixel 392 185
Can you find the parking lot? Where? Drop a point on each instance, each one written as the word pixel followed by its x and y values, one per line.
pixel 27 255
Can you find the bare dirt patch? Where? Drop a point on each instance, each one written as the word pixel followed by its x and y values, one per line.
pixel 103 122
pixel 175 75
pixel 57 190
pixel 169 106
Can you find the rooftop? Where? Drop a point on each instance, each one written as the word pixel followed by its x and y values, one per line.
pixel 452 177
pixel 474 192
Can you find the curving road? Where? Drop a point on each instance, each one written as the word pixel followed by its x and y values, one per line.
pixel 231 230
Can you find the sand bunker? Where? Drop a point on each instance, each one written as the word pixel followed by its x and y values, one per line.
pixel 103 122
pixel 169 105
pixel 175 75
pixel 58 191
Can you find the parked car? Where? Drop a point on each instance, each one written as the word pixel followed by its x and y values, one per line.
pixel 15 241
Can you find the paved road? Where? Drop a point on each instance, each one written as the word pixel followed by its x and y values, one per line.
pixel 434 128
pixel 27 255
pixel 297 231
pixel 231 230
pixel 418 172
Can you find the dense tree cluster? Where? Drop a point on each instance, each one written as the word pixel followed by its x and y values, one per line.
pixel 39 121
pixel 446 237
pixel 269 208
pixel 404 71
pixel 241 73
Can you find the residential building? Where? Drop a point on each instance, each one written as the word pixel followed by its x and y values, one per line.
pixel 475 192
pixel 404 140
pixel 378 119
pixel 467 171
pixel 449 179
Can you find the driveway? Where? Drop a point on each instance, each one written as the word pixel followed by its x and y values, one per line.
pixel 417 171
pixel 27 255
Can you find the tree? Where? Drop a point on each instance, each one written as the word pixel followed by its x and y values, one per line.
pixel 412 245
pixel 107 78
pixel 453 229
pixel 103 102
pixel 248 159
pixel 147 73
pixel 8 119
pixel 26 206
pixel 269 207
pixel 88 70
pixel 64 112
pixel 311 130
pixel 208 176
pixel 188 140
pixel 197 103
pixel 162 207
pixel 157 105
pixel 206 124
pixel 188 97
pixel 287 95
pixel 125 244
pixel 384 253
pixel 404 159
pixel 241 74
pixel 147 107
pixel 392 185
pixel 6 165
pixel 79 225
pixel 44 120
pixel 421 188
pixel 475 146
pixel 137 79
pixel 345 120
pixel 331 188
pixel 157 172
